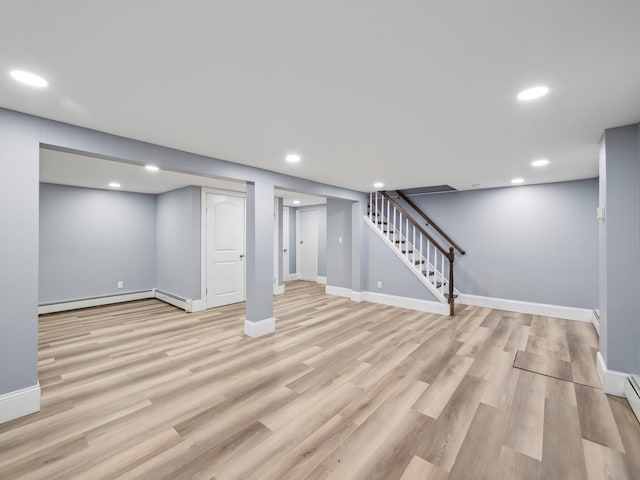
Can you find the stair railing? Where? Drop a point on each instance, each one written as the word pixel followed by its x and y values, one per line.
pixel 430 222
pixel 401 229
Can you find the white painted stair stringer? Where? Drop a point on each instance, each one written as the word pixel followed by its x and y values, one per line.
pixel 416 271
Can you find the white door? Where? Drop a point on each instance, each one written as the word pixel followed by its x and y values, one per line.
pixel 225 249
pixel 308 245
pixel 276 246
pixel 285 243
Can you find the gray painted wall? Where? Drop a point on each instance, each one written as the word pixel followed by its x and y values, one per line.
pixel 535 243
pixel 19 175
pixel 21 136
pixel 178 238
pixel 91 239
pixel 620 310
pixel 338 258
pixel 259 256
pixel 386 267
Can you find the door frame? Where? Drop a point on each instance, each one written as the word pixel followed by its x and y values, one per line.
pixel 203 239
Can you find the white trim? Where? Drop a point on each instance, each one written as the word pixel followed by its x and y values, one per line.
pixel 338 291
pixel 356 296
pixel 94 302
pixel 420 305
pixel 198 305
pixel 321 280
pixel 557 311
pixel 280 289
pixel 19 403
pixel 290 277
pixel 596 321
pixel 260 328
pixel 612 381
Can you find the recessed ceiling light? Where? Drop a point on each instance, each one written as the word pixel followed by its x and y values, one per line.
pixel 28 78
pixel 540 163
pixel 151 168
pixel 533 93
pixel 517 180
pixel 378 185
pixel 114 185
pixel 296 202
pixel 292 158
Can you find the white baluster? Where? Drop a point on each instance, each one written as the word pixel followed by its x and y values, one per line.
pixel 428 259
pixel 442 274
pixel 420 255
pixel 370 206
pixel 413 245
pixel 406 245
pixel 394 227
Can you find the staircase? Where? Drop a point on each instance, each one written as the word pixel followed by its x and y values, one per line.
pixel 427 258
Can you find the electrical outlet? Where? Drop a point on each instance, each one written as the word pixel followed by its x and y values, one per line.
pixel 120 283
pixel 379 283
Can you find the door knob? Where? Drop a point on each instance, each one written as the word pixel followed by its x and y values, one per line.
pixel 242 255
pixel 285 250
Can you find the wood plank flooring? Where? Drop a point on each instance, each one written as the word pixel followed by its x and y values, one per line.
pixel 341 391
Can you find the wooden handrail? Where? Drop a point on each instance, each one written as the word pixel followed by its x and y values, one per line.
pixel 430 222
pixel 415 224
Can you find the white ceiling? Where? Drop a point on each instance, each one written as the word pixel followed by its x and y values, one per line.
pixel 81 171
pixel 412 93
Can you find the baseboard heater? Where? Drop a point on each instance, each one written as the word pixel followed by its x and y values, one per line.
pixel 632 392
pixel 182 299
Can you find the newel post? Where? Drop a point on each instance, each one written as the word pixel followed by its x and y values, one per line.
pixel 451 296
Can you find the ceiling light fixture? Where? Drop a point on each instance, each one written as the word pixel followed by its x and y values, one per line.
pixel 28 78
pixel 151 168
pixel 540 163
pixel 296 202
pixel 114 185
pixel 378 185
pixel 532 93
pixel 292 158
pixel 517 180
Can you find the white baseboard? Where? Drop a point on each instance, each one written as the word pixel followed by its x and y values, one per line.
pixel 392 300
pixel 406 302
pixel 260 328
pixel 322 280
pixel 612 381
pixel 19 403
pixel 557 311
pixel 198 305
pixel 94 302
pixel 337 291
pixel 290 277
pixel 279 289
pixel 356 296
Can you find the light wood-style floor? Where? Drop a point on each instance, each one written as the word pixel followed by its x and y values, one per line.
pixel 342 390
